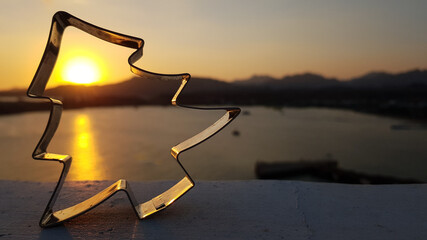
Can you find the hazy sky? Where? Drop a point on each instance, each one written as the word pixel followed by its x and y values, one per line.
pixel 225 39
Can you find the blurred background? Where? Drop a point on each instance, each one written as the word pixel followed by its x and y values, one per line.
pixel 330 91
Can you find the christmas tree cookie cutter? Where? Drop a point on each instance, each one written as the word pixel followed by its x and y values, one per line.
pixel 60 21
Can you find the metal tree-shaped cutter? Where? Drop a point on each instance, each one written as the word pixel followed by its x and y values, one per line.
pixel 60 21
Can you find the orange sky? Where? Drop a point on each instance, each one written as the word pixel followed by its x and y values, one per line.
pixel 222 39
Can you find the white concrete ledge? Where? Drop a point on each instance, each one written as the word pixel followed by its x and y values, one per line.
pixel 226 210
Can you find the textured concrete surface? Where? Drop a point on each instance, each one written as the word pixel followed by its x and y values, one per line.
pixel 225 210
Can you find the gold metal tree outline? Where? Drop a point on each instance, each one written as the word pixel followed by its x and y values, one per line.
pixel 60 21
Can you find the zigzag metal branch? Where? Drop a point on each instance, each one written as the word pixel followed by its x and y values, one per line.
pixel 60 21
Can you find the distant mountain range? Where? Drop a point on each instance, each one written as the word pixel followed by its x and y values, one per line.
pixel 402 94
pixel 146 88
pixel 309 80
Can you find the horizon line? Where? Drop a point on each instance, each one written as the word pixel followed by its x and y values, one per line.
pixel 238 80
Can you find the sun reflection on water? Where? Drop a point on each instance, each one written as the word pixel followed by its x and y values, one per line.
pixel 85 155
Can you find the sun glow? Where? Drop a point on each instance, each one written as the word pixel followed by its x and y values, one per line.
pixel 81 70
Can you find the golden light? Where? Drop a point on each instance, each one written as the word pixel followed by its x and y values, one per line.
pixel 86 159
pixel 81 70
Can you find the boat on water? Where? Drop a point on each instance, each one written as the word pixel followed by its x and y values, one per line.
pixel 323 170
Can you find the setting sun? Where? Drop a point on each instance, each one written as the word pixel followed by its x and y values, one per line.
pixel 81 70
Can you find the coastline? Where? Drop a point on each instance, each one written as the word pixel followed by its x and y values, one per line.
pixel 402 111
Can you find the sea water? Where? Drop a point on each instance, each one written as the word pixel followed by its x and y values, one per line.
pixel 134 143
